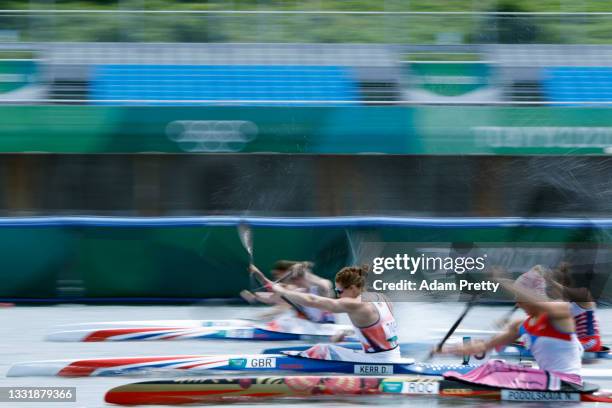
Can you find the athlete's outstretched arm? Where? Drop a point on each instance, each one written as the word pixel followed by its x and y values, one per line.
pixel 307 299
pixel 319 302
pixel 510 334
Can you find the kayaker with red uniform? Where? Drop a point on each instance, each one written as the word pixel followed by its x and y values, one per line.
pixel 548 332
pixel 373 321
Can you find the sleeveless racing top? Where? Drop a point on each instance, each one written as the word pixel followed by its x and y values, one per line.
pixel 317 315
pixel 382 335
pixel 552 349
pixel 587 327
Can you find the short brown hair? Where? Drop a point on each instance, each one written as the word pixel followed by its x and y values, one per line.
pixel 353 275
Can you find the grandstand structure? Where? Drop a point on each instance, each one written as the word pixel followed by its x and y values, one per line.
pixel 302 74
pixel 243 74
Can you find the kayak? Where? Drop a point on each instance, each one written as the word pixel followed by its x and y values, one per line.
pixel 159 323
pixel 196 330
pixel 189 333
pixel 194 364
pixel 193 391
pixel 184 365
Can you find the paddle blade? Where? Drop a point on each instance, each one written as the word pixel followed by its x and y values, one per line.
pixel 246 238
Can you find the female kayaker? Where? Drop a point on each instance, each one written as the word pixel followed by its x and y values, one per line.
pixel 548 332
pixel 295 276
pixel 582 306
pixel 373 321
pixel 303 279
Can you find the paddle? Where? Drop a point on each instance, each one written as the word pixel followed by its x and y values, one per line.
pixel 245 233
pixel 438 347
pixel 246 238
pixel 267 283
pixel 249 295
pixel 279 280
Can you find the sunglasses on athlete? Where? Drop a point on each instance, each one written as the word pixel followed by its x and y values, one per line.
pixel 338 291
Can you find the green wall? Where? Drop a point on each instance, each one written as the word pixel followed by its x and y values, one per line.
pixel 333 130
pixel 204 259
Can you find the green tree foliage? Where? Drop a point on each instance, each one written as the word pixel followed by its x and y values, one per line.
pixel 396 29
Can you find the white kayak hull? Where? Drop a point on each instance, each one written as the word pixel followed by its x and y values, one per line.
pixel 279 330
pixel 159 323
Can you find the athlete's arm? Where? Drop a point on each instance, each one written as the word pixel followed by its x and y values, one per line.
pixel 319 302
pixel 307 299
pixel 476 347
pixel 265 298
pixel 510 334
pixel 325 287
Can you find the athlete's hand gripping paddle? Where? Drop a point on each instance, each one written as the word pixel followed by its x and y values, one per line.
pixel 269 286
pixel 261 278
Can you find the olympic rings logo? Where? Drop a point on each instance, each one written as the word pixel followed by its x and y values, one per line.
pixel 211 135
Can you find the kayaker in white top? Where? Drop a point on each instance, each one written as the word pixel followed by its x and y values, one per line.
pixel 303 279
pixel 295 276
pixel 373 320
